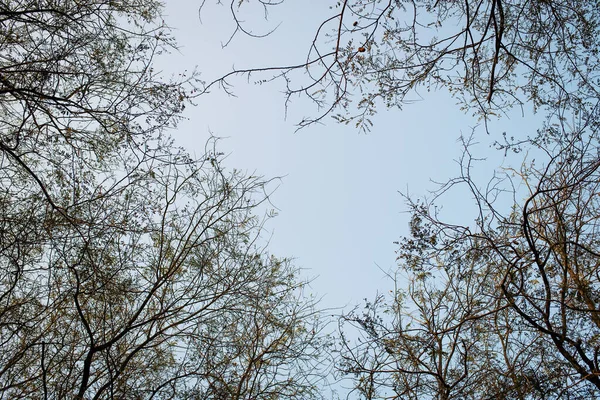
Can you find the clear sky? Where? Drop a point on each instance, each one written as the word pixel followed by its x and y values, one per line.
pixel 339 207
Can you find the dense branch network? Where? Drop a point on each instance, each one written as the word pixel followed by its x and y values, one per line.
pixel 129 269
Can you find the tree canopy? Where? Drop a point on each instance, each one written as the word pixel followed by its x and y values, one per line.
pixel 128 268
pixel 503 306
pixel 490 54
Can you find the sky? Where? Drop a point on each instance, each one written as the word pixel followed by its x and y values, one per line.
pixel 339 206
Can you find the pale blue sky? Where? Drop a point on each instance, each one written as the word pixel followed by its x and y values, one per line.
pixel 339 207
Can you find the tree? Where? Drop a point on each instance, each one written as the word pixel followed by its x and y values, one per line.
pixel 508 301
pixel 129 269
pixel 502 308
pixel 490 54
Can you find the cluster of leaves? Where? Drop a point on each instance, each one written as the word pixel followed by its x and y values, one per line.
pixel 129 269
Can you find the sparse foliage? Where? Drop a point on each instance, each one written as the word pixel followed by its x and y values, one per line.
pixel 128 269
pixel 490 54
pixel 504 308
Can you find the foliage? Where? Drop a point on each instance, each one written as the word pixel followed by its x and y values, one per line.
pixel 490 54
pixel 506 308
pixel 129 269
